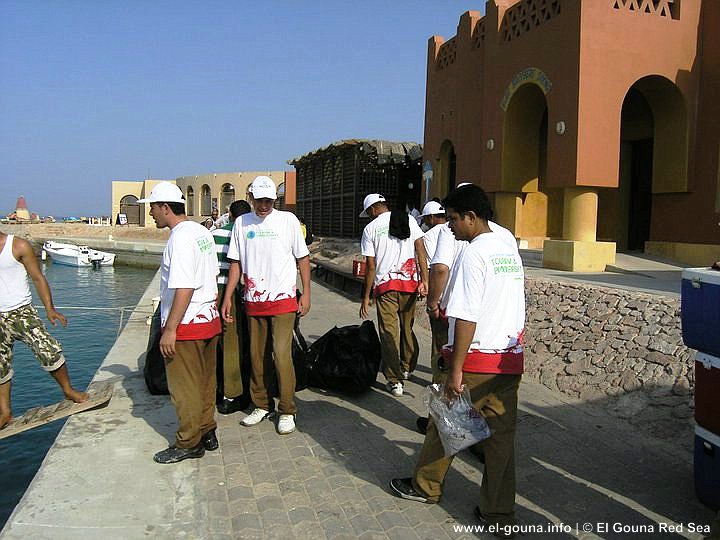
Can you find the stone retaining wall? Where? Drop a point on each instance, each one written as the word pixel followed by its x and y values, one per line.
pixel 622 348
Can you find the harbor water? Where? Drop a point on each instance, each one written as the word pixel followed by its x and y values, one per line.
pixel 90 333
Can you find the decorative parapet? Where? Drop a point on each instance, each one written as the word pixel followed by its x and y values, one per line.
pixel 447 54
pixel 660 8
pixel 478 36
pixel 528 14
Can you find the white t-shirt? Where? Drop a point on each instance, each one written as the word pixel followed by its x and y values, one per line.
pixel 189 262
pixel 267 249
pixel 487 287
pixel 430 240
pixel 448 249
pixel 395 267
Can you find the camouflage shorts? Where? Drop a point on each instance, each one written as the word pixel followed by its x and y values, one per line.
pixel 25 325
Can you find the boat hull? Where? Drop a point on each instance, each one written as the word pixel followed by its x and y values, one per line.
pixel 79 256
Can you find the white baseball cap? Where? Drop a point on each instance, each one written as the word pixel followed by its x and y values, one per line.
pixel 432 207
pixel 263 188
pixel 369 201
pixel 164 192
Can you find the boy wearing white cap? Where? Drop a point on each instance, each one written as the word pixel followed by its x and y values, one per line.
pixel 390 243
pixel 266 248
pixel 190 323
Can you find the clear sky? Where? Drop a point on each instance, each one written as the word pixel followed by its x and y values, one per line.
pixel 96 91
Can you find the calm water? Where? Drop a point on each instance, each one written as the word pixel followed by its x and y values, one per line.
pixel 86 340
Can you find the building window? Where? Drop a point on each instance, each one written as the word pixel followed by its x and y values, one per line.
pixel 205 207
pixel 190 201
pixel 227 197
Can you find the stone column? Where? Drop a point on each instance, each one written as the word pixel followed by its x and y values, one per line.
pixel 580 214
pixel 508 211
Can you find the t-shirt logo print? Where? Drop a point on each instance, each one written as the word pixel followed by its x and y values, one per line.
pixel 250 235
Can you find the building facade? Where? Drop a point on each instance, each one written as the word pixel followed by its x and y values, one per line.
pixel 592 124
pixel 203 193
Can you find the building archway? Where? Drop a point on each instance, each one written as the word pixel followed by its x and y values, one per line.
pixel 227 197
pixel 190 201
pixel 653 159
pixel 524 205
pixel 205 201
pixel 131 208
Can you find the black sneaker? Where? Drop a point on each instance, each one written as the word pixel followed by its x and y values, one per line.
pixel 403 487
pixel 422 424
pixel 175 454
pixel 499 531
pixel 209 441
pixel 229 406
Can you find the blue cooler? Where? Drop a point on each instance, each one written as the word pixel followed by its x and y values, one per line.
pixel 707 467
pixel 700 312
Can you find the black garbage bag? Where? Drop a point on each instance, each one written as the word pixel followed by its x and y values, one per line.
pixel 299 356
pixel 345 359
pixel 154 369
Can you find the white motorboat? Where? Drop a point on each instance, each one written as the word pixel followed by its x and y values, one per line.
pixel 73 255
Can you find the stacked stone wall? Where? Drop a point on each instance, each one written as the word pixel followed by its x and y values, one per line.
pixel 622 348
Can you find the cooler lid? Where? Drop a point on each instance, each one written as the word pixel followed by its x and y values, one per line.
pixel 702 275
pixel 708 360
pixel 707 435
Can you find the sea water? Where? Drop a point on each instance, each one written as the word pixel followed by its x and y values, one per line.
pixel 89 336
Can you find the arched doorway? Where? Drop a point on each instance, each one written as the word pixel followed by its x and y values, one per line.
pixel 205 201
pixel 227 197
pixel 131 208
pixel 524 205
pixel 652 160
pixel 190 201
pixel 447 170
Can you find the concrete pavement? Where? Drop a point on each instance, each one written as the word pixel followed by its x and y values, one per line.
pixel 576 465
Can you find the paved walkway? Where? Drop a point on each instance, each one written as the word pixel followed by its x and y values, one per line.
pixel 329 479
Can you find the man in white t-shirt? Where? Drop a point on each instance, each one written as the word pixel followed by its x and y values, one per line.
pixel 190 323
pixel 267 248
pixel 390 243
pixel 486 315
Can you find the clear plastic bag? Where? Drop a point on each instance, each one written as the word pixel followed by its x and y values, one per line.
pixel 458 423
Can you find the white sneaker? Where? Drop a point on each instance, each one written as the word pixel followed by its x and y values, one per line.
pixel 286 424
pixel 255 417
pixel 396 389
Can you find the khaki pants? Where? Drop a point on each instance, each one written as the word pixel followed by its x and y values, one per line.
pixel 396 315
pixel 273 372
pixel 496 397
pixel 439 329
pixel 230 349
pixel 191 381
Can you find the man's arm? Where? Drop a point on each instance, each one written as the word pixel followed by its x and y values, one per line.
pixel 232 283
pixel 304 265
pixel 367 291
pixel 24 253
pixel 439 274
pixel 421 256
pixel 181 301
pixel 464 332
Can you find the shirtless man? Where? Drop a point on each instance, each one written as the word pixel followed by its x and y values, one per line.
pixel 20 320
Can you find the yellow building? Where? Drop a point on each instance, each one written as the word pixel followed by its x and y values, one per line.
pixel 203 193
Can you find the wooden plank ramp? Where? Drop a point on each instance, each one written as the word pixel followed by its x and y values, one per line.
pixel 100 393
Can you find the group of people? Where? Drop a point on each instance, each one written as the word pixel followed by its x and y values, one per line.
pixel 471 272
pixel 467 266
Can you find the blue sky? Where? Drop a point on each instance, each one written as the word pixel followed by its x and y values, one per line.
pixel 96 91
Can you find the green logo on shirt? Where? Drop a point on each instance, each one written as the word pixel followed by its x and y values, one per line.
pixel 205 245
pixel 505 265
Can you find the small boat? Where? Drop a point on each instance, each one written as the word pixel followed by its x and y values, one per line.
pixel 73 255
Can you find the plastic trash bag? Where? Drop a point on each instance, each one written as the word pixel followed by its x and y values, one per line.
pixel 299 356
pixel 345 359
pixel 154 369
pixel 459 424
